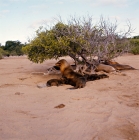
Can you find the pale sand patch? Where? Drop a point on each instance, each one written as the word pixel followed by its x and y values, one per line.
pixel 106 109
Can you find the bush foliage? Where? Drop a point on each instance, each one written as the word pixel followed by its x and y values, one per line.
pixel 3 53
pixel 80 39
pixel 135 46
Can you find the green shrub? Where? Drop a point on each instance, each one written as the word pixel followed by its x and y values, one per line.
pixel 1 57
pixel 135 46
pixel 135 50
pixel 1 53
pixel 13 48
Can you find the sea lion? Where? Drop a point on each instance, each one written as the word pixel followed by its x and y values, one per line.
pixel 57 68
pixel 105 68
pixel 93 77
pixel 77 83
pixel 56 82
pixel 118 66
pixel 75 79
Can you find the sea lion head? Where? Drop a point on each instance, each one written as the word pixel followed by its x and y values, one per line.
pixel 109 62
pixel 63 64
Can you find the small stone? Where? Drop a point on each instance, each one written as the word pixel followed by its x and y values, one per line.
pixel 41 85
pixel 60 106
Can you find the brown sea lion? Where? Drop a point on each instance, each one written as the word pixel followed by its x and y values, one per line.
pixel 56 82
pixel 77 83
pixel 118 66
pixel 76 79
pixel 105 68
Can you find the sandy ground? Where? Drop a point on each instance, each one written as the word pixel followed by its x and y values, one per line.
pixel 106 109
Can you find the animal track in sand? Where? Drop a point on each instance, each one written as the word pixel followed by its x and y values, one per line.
pixel 18 93
pixel 129 100
pixel 26 113
pixel 12 85
pixel 23 78
pixel 122 131
pixel 83 98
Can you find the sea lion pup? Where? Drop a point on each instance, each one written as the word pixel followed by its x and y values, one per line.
pixel 74 78
pixel 105 68
pixel 118 66
pixel 56 82
pixel 77 83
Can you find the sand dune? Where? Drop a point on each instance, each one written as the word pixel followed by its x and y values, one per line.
pixel 106 109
